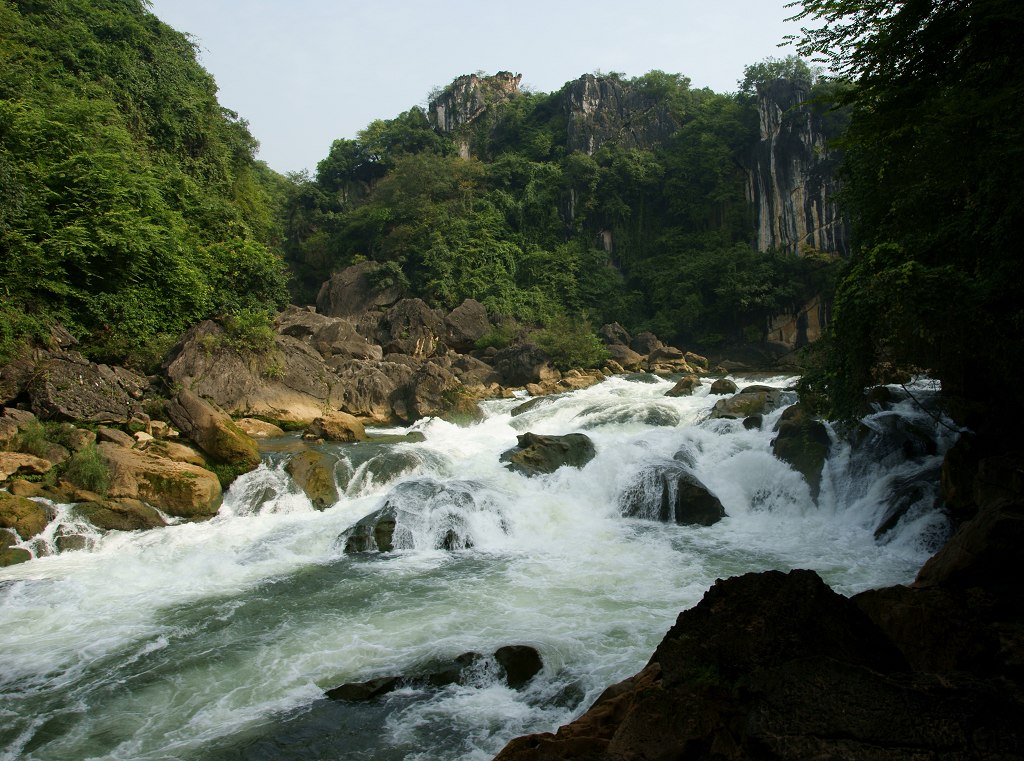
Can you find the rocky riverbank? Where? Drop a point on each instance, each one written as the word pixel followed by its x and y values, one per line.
pixel 133 452
pixel 777 666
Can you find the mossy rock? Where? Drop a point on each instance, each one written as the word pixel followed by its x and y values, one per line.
pixel 313 471
pixel 120 515
pixel 14 556
pixel 26 517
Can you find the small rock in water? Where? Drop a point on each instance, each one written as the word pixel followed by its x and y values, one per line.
pixel 537 454
pixel 521 664
pixel 359 692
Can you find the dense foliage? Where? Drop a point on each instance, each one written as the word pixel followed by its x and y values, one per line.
pixel 130 202
pixel 655 233
pixel 933 176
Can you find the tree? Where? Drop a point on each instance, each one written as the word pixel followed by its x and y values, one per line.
pixel 933 170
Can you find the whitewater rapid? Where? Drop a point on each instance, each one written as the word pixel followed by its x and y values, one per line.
pixel 217 640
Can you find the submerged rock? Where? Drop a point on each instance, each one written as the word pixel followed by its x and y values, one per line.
pixel 536 454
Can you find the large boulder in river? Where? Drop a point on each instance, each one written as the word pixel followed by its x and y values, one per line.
pixel 355 290
pixel 668 492
pixel 465 325
pixel 536 454
pixel 67 386
pixel 804 444
pixel 213 430
pixel 313 471
pixel 752 400
pixel 177 488
pixel 336 426
pixel 26 517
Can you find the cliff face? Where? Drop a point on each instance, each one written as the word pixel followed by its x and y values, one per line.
pixel 791 178
pixel 600 110
pixel 468 97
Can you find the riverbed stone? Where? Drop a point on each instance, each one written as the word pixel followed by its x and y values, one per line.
pixel 23 515
pixel 336 426
pixel 685 386
pixel 804 444
pixel 723 386
pixel 520 662
pixel 536 454
pixel 313 471
pixel 753 400
pixel 120 514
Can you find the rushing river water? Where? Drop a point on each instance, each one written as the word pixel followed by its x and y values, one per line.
pixel 217 640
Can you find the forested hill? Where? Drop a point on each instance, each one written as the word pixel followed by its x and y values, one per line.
pixel 612 199
pixel 130 202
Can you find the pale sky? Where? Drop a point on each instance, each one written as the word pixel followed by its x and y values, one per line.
pixel 306 72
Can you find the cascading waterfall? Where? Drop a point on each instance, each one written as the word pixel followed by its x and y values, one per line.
pixel 217 640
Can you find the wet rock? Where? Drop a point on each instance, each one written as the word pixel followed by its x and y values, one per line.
pixel 685 386
pixel 356 290
pixel 531 404
pixel 313 472
pixel 918 491
pixel 753 400
pixel 120 515
pixel 753 422
pixel 337 426
pixel 67 386
pixel 804 444
pixel 10 555
pixel 723 386
pixel 889 438
pixel 177 488
pixel 214 432
pixel 374 533
pixel 536 454
pixel 669 492
pixel 520 663
pixel 465 325
pixel 23 516
pixel 361 692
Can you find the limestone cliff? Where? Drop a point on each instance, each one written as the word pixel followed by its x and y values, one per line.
pixel 468 98
pixel 791 176
pixel 604 109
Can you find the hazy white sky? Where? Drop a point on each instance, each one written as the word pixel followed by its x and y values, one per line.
pixel 305 72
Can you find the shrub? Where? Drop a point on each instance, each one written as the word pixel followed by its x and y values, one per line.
pixel 87 469
pixel 571 343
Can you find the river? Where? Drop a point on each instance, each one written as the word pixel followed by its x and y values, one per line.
pixel 217 640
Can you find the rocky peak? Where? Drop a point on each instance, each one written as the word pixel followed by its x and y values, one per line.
pixel 791 180
pixel 604 109
pixel 469 96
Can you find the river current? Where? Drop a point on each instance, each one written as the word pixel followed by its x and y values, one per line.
pixel 217 640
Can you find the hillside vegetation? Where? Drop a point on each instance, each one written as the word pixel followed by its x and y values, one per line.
pixel 130 202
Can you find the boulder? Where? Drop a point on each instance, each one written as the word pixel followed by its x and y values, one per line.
pixel 473 372
pixel 213 431
pixel 432 391
pixel 465 325
pixel 177 488
pixel 520 663
pixel 353 291
pixel 119 515
pixel 753 400
pixel 259 429
pixel 15 376
pixel 521 364
pixel 374 533
pixel 669 492
pixel 613 334
pixel 24 516
pixel 723 386
pixel 10 555
pixel 644 343
pixel 172 450
pixel 67 386
pixel 115 436
pixel 337 426
pixel 18 463
pixel 339 338
pixel 313 472
pixel 804 444
pixel 685 386
pixel 536 454
pixel 625 357
pixel 301 322
pixel 697 361
pixel 412 328
pixel 366 389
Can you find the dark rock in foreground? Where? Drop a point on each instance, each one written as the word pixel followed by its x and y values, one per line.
pixel 536 454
